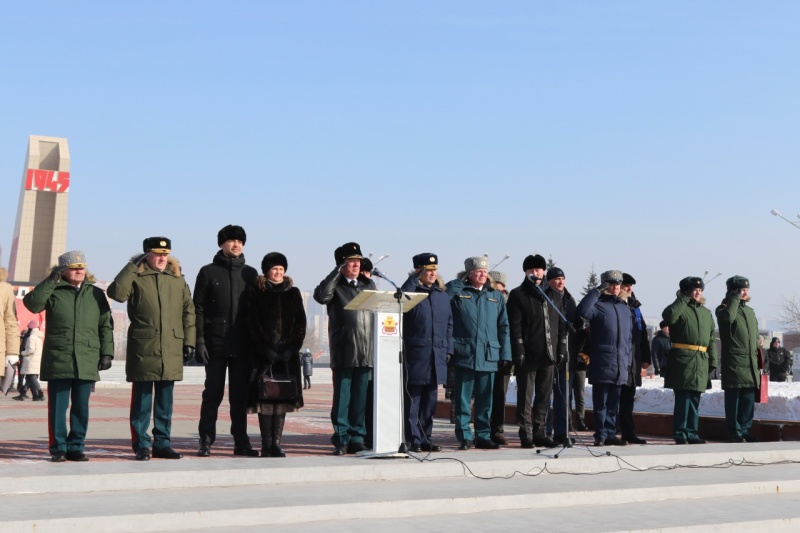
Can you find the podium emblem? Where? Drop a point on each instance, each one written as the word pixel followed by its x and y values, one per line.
pixel 389 326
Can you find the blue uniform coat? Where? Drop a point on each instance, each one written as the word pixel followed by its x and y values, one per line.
pixel 427 334
pixel 610 332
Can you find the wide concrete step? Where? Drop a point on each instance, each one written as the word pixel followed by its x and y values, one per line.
pixel 732 514
pixel 398 490
pixel 45 477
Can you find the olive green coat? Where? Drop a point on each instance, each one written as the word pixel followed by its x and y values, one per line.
pixel 690 322
pixel 161 316
pixel 79 328
pixel 738 332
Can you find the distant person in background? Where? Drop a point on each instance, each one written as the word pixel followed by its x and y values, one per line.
pixel 161 338
pixel 308 367
pixel 780 361
pixel 276 325
pixel 31 360
pixel 78 345
pixel 9 329
pixel 691 358
pixel 659 347
pixel 738 334
pixel 502 377
pixel 222 339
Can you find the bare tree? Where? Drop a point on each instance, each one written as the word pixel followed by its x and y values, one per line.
pixel 790 312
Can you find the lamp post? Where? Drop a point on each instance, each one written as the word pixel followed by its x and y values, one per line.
pixel 381 258
pixel 778 214
pixel 498 264
pixel 718 274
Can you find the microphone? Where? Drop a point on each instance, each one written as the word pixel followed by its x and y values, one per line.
pixel 376 272
pixel 533 278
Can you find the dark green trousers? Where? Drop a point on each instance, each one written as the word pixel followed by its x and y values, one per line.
pixel 740 405
pixel 143 399
pixel 686 415
pixel 59 394
pixel 468 381
pixel 349 405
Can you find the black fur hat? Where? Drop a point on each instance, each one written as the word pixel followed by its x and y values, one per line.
pixel 534 261
pixel 690 283
pixel 737 282
pixel 273 259
pixel 231 233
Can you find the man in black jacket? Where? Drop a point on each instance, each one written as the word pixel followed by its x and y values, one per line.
pixel 221 339
pixel 351 347
pixel 779 361
pixel 538 341
pixel 557 291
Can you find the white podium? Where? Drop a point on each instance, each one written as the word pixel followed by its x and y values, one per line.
pixel 387 426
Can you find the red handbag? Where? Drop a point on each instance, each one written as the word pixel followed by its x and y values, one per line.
pixel 762 393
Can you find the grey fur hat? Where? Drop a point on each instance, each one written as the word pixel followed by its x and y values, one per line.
pixel 73 259
pixel 474 263
pixel 611 276
pixel 499 277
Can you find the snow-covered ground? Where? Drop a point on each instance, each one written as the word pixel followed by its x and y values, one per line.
pixel 652 397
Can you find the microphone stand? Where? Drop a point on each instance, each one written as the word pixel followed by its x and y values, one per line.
pixel 565 393
pixel 398 295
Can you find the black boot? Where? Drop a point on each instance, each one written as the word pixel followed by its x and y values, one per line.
pixel 38 396
pixel 265 423
pixel 277 432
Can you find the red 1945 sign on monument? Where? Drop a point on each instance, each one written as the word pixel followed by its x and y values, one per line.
pixel 46 180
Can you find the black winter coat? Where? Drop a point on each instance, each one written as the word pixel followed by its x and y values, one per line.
pixel 276 328
pixel 427 334
pixel 218 305
pixel 779 361
pixel 537 332
pixel 659 348
pixel 350 333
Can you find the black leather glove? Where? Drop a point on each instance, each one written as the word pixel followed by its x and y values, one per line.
pixel 504 367
pixel 448 358
pixel 201 353
pixel 603 286
pixel 519 360
pixel 188 353
pixel 560 356
pixel 734 294
pixel 55 274
pixel 105 362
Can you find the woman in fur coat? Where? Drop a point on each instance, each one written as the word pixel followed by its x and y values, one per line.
pixel 276 327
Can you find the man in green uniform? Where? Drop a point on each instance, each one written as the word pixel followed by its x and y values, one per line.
pixel 691 357
pixel 78 344
pixel 738 331
pixel 162 329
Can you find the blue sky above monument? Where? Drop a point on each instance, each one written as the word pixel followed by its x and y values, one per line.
pixel 648 137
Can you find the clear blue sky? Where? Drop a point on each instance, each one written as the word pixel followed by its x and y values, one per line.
pixel 653 137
